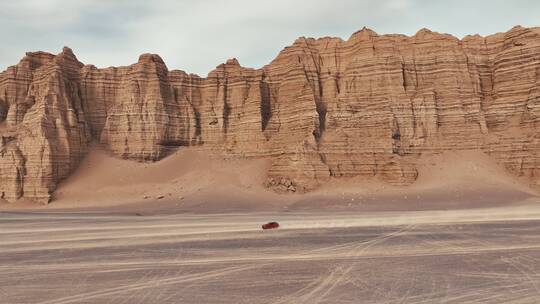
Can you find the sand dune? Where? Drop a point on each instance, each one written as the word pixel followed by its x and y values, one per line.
pixel 461 179
pixel 188 177
pixel 190 180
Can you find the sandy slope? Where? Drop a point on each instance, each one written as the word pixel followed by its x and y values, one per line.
pixel 189 180
pixel 186 176
pixel 452 180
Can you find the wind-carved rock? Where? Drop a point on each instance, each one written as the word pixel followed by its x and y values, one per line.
pixel 367 106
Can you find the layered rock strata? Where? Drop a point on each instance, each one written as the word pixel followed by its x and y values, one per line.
pixel 368 106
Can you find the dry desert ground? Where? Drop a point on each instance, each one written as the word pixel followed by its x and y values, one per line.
pixel 188 230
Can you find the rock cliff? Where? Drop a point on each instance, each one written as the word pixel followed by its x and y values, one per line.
pixel 368 106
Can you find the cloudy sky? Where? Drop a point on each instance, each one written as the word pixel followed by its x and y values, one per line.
pixel 195 36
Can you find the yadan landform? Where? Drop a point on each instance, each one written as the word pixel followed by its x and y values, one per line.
pixel 367 106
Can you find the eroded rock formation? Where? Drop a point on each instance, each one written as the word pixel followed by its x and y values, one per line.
pixel 324 107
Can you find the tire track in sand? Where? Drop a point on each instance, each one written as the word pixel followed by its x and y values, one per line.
pixel 149 284
pixel 323 286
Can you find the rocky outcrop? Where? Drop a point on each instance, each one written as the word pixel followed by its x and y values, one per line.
pixel 44 133
pixel 368 106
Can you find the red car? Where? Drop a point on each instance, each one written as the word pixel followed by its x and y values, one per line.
pixel 270 225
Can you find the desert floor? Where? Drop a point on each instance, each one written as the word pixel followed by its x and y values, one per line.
pixel 487 255
pixel 187 230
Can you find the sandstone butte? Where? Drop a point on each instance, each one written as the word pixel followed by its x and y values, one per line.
pixel 324 108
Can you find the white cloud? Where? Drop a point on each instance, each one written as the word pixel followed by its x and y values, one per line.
pixel 398 4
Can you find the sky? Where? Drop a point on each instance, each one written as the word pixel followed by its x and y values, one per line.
pixel 197 35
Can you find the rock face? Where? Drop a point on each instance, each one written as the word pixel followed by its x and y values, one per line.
pixel 323 108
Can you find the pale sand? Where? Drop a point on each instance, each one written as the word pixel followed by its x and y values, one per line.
pixel 466 232
pixel 453 256
pixel 191 181
pixel 187 176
